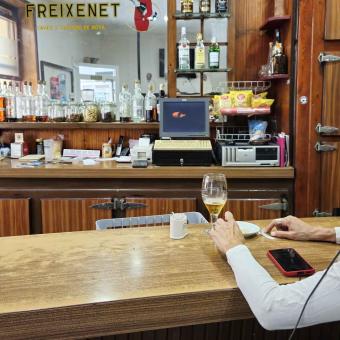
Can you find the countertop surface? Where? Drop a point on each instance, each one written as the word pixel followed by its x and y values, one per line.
pixel 110 169
pixel 125 280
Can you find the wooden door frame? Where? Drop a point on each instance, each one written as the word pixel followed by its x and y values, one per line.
pixel 309 83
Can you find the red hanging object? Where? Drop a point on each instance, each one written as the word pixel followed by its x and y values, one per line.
pixel 142 15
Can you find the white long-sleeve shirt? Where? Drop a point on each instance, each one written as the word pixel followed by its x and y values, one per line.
pixel 279 306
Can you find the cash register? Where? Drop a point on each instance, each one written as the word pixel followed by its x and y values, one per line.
pixel 184 133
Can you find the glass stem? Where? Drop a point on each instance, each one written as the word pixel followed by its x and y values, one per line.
pixel 213 218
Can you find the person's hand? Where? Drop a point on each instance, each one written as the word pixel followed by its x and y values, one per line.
pixel 226 234
pixel 291 228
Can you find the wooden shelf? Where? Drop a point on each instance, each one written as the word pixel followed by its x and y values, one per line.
pixel 83 125
pixel 274 22
pixel 275 76
pixel 200 16
pixel 205 70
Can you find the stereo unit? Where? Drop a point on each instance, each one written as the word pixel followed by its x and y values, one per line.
pixel 247 155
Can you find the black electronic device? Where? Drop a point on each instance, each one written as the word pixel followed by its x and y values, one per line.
pixel 290 262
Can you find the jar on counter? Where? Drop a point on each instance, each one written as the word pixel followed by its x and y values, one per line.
pixel 56 112
pixel 74 113
pixel 91 112
pixel 107 112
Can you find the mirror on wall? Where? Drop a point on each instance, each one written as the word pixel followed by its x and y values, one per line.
pixel 103 53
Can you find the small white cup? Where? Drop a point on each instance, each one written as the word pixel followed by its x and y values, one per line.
pixel 178 226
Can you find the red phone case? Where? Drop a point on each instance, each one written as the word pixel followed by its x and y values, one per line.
pixel 296 273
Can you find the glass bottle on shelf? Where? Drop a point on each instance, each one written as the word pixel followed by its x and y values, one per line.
pixel 107 114
pixel 279 59
pixel 184 51
pixel 10 104
pixel 138 104
pixel 19 105
pixel 199 53
pixel 214 54
pixel 2 103
pixel 161 96
pixel 205 6
pixel 150 104
pixel 91 112
pixel 31 117
pixel 41 102
pixel 221 6
pixel 187 6
pixel 56 111
pixel 125 103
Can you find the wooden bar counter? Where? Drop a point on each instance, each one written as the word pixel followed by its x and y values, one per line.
pixel 111 169
pixel 96 283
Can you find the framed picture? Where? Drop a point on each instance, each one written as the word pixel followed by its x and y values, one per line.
pixel 59 80
pixel 9 42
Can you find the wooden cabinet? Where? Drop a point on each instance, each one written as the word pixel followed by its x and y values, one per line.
pixel 14 217
pixel 160 206
pixel 332 22
pixel 64 215
pixel 253 209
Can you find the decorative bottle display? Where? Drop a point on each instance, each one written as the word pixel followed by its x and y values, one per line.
pixel 2 103
pixel 138 104
pixel 199 53
pixel 161 95
pixel 187 6
pixel 214 54
pixel 279 59
pixel 10 103
pixel 125 101
pixel 221 6
pixel 28 115
pixel 184 51
pixel 150 105
pixel 40 103
pixel 205 6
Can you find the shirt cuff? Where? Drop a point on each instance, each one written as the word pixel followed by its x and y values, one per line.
pixel 236 251
pixel 337 235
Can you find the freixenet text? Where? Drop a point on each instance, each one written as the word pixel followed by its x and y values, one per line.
pixel 73 10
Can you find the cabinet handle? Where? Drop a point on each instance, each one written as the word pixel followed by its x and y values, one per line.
pixel 118 204
pixel 282 206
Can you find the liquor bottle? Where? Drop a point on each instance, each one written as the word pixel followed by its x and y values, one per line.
pixel 205 6
pixel 2 103
pixel 214 54
pixel 221 6
pixel 40 103
pixel 10 103
pixel 160 97
pixel 150 105
pixel 138 104
pixel 184 51
pixel 279 59
pixel 19 104
pixel 187 6
pixel 125 101
pixel 199 53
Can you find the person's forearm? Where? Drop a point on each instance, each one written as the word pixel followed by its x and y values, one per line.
pixel 323 234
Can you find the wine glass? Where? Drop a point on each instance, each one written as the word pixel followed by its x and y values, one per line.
pixel 214 194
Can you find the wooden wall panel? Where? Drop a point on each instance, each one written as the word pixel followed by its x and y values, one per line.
pixel 65 215
pixel 332 22
pixel 331 93
pixel 160 206
pixel 249 209
pixel 14 217
pixel 330 180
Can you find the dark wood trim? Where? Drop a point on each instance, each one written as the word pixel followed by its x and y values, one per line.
pixel 44 64
pixel 172 60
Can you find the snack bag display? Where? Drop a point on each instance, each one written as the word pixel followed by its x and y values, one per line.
pixel 259 102
pixel 262 95
pixel 226 101
pixel 242 98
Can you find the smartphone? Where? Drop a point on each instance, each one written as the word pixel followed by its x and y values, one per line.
pixel 290 262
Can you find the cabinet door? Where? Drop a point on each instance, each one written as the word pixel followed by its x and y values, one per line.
pixel 160 206
pixel 14 217
pixel 64 215
pixel 250 209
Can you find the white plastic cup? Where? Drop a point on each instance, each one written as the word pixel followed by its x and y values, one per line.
pixel 178 226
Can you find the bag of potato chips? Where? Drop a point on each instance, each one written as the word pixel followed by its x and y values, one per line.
pixel 242 98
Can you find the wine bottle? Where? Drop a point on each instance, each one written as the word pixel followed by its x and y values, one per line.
pixel 187 6
pixel 199 53
pixel 221 6
pixel 214 54
pixel 184 51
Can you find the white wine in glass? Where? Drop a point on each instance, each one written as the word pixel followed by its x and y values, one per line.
pixel 214 194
